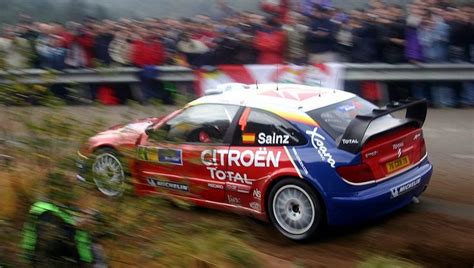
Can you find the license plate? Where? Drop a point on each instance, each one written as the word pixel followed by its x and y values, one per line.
pixel 398 164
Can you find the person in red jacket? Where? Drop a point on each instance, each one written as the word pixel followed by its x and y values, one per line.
pixel 147 51
pixel 280 10
pixel 270 42
pixel 86 40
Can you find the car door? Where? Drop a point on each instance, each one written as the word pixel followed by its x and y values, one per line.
pixel 179 157
pixel 258 152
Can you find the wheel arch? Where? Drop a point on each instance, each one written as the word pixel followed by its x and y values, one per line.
pixel 104 147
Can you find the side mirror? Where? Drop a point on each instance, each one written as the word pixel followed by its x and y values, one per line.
pixel 149 131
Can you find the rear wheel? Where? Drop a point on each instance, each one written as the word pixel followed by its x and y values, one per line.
pixel 108 173
pixel 294 209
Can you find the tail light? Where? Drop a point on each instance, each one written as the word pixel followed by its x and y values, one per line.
pixel 422 148
pixel 357 173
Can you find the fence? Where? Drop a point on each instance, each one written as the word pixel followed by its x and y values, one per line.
pixel 353 72
pixel 183 77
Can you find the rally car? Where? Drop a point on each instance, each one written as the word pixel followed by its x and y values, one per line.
pixel 298 156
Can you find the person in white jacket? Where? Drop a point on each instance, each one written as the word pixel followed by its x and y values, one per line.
pixel 14 50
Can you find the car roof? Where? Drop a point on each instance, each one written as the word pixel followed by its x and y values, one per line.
pixel 292 97
pixel 290 101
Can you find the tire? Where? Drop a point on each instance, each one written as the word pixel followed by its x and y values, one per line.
pixel 108 172
pixel 294 209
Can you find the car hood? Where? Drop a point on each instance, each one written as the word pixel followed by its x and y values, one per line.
pixel 136 127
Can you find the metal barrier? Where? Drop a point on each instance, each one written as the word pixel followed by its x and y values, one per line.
pixel 353 72
pixel 98 75
pixel 409 72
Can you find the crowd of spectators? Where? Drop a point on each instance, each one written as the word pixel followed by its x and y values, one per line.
pixel 291 31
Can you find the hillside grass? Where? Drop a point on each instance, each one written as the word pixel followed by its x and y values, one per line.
pixel 148 232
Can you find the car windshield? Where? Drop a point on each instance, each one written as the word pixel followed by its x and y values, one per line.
pixel 335 118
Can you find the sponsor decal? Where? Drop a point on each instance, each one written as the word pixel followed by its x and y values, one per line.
pixel 170 156
pixel 273 139
pixel 255 206
pixel 248 138
pixel 215 186
pixel 404 188
pixel 161 155
pixel 257 194
pixel 395 146
pixel 236 158
pixel 228 176
pixel 213 159
pixel 168 184
pixel 350 141
pixel 318 143
pixel 300 162
pixel 417 136
pixel 297 169
pixel 346 108
pixel 238 188
pixel 233 200
pixel 371 154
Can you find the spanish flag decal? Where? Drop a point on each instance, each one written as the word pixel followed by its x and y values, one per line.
pixel 248 138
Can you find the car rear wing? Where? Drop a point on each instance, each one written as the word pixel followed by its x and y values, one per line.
pixel 355 135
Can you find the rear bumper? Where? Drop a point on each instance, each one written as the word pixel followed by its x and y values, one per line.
pixel 381 199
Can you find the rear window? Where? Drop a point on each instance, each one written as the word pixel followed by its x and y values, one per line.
pixel 335 118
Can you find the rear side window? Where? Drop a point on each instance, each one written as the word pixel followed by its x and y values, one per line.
pixel 335 118
pixel 261 128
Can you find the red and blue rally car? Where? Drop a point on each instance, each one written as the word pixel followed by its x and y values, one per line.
pixel 295 155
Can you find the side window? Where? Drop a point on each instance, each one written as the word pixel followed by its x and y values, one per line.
pixel 258 127
pixel 206 123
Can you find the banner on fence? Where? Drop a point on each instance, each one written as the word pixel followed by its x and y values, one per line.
pixel 328 75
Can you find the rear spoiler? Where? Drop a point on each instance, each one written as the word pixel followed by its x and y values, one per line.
pixel 354 137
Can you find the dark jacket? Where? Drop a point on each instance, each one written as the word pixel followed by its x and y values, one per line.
pixel 391 52
pixel 365 43
pixel 321 44
pixel 102 44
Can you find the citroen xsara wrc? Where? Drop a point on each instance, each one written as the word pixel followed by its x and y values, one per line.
pixel 297 156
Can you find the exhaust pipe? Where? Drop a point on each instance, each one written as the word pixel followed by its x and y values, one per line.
pixel 415 200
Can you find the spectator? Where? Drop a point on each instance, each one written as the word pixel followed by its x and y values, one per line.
pixel 296 32
pixel 103 38
pixel 364 36
pixel 85 39
pixel 345 40
pixel 393 40
pixel 194 50
pixel 467 91
pixel 270 42
pixel 279 10
pixel 15 49
pixel 434 34
pixel 120 47
pixel 50 47
pixel 147 50
pixel 76 56
pixel 306 7
pixel 413 49
pixel 320 37
pixel 458 39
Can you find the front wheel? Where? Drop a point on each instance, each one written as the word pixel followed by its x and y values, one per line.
pixel 294 209
pixel 108 173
